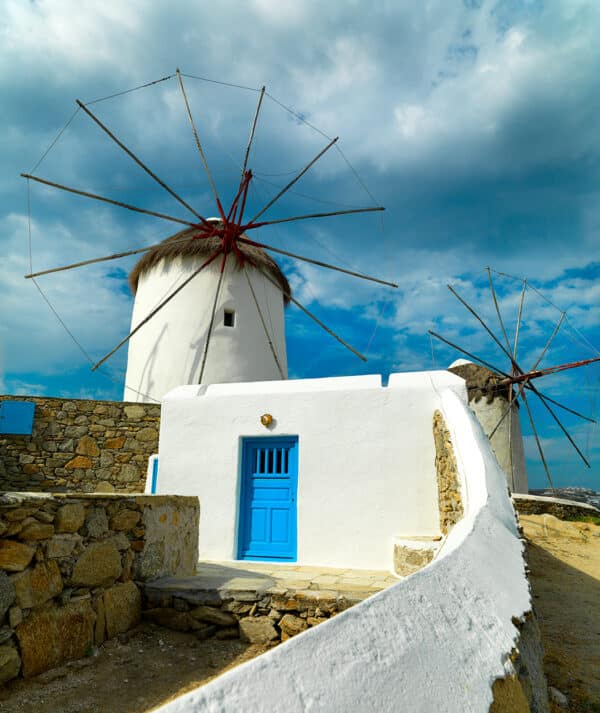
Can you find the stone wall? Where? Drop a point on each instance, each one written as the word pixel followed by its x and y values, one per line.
pixel 562 509
pixel 71 567
pixel 257 616
pixel 83 445
pixel 449 494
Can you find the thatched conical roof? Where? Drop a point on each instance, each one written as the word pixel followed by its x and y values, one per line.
pixel 177 246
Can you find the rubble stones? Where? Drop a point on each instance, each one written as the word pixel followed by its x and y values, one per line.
pixel 49 637
pixel 10 663
pixel 291 625
pixel 99 565
pixel 7 593
pixel 122 608
pixel 96 522
pixel 36 586
pixel 69 518
pixel 211 615
pixel 15 556
pixel 34 530
pixel 125 520
pixel 257 630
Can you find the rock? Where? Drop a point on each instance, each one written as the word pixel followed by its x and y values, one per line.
pixel 147 434
pixel 104 487
pixel 135 412
pixel 122 608
pixel 49 637
pixel 79 462
pixel 292 625
pixel 62 546
pixel 558 697
pixel 36 586
pixel 120 541
pixel 7 593
pixel 15 556
pixel 87 446
pixel 257 630
pixel 5 634
pixel 125 520
pixel 315 620
pixel 99 565
pixel 44 516
pixel 35 530
pixel 127 560
pixel 10 663
pixel 69 518
pixel 115 443
pixel 408 560
pixel 171 619
pixel 213 616
pixel 128 473
pixel 3 527
pixel 15 617
pixel 96 522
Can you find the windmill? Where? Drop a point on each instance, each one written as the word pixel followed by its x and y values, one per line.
pixel 494 381
pixel 221 247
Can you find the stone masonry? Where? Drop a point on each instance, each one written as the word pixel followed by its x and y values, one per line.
pixel 82 445
pixel 450 502
pixel 71 568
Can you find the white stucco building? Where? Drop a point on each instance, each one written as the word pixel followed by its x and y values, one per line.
pixel 248 335
pixel 328 472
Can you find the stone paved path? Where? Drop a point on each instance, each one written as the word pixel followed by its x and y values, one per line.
pixel 223 579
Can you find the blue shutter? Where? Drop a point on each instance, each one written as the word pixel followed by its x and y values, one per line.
pixel 16 417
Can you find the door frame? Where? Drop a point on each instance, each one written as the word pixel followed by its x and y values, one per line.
pixel 245 444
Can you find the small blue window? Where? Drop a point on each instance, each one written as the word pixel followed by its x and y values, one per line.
pixel 16 417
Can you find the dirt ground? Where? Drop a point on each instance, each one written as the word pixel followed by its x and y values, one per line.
pixel 564 559
pixel 132 675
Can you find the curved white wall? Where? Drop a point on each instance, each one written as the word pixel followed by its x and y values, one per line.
pixel 167 351
pixel 436 641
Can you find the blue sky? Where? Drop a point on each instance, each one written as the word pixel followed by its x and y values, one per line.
pixel 474 123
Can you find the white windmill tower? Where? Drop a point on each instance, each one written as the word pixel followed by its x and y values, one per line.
pixel 243 323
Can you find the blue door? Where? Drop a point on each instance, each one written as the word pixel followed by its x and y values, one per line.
pixel 267 529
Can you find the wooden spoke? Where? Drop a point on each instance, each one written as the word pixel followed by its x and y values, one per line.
pixel 261 223
pixel 158 308
pixel 557 420
pixel 566 408
pixel 522 302
pixel 114 256
pixel 246 241
pixel 469 354
pixel 493 291
pixel 264 325
pixel 294 180
pixel 537 440
pixel 142 165
pixel 199 145
pixel 212 318
pixel 312 316
pixel 487 329
pixel 549 342
pixel 111 201
pixel 252 130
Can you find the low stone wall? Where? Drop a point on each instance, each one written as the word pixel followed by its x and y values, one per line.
pixel 71 566
pixel 259 617
pixel 562 509
pixel 83 445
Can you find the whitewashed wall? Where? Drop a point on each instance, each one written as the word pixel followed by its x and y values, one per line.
pixel 436 641
pixel 366 469
pixel 167 351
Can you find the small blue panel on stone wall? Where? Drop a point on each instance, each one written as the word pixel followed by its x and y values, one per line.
pixel 16 417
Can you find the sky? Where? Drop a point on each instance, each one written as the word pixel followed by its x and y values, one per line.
pixel 473 123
